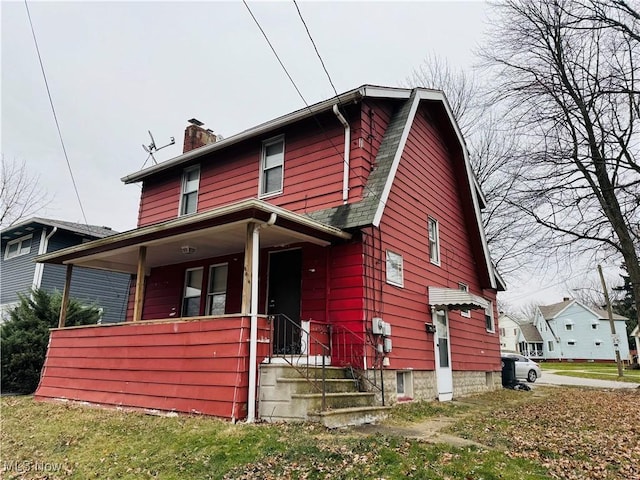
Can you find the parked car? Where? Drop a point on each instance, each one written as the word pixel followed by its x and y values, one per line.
pixel 525 368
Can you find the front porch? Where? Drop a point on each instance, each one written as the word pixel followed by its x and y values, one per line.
pixel 214 296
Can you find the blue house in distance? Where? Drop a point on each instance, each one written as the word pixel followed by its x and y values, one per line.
pixel 23 241
pixel 570 330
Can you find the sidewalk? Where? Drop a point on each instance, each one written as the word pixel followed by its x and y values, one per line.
pixel 549 378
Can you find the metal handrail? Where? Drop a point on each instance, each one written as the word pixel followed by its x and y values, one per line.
pixel 355 362
pixel 289 332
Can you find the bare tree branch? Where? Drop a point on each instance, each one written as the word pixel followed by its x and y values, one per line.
pixel 20 193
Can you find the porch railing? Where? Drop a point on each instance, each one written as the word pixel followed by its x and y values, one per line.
pixel 300 345
pixel 359 353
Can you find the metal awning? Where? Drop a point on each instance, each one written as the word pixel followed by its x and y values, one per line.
pixel 454 299
pixel 217 232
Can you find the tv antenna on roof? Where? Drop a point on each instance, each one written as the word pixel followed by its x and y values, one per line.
pixel 151 148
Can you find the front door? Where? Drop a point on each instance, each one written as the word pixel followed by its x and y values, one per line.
pixel 285 279
pixel 444 376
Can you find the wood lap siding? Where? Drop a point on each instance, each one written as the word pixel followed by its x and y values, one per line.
pixel 426 184
pixel 312 174
pixel 197 366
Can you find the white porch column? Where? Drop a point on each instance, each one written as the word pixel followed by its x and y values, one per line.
pixel 250 290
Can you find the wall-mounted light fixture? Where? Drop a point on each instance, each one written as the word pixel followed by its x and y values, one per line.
pixel 188 249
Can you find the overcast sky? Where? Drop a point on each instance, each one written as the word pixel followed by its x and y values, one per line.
pixel 118 69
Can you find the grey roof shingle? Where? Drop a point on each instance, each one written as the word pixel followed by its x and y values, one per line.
pixel 363 212
pixel 550 311
pixel 94 231
pixel 530 333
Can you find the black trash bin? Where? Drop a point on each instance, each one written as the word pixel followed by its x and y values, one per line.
pixel 508 372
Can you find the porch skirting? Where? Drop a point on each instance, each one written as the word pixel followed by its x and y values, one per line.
pixel 192 366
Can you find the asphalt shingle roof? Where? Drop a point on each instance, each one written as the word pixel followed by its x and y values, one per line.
pixel 363 212
pixel 94 231
pixel 530 333
pixel 550 311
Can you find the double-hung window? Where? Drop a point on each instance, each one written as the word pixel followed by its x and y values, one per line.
pixel 434 241
pixel 488 318
pixel 189 192
pixel 217 291
pixel 192 292
pixel 20 246
pixel 465 288
pixel 395 275
pixel 272 166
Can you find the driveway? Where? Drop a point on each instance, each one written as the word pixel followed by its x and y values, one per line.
pixel 549 378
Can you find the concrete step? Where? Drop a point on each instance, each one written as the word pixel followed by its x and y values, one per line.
pixel 342 417
pixel 288 371
pixel 313 401
pixel 332 385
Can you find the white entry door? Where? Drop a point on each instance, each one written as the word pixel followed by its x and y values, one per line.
pixel 442 350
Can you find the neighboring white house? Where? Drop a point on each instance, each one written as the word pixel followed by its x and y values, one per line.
pixel 572 331
pixel 509 329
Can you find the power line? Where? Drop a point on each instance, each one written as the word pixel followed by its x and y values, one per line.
pixel 315 47
pixel 275 53
pixel 55 116
pixel 361 177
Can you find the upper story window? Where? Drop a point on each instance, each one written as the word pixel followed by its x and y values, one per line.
pixel 568 327
pixel 465 288
pixel 20 246
pixel 189 193
pixel 488 318
pixel 395 274
pixel 217 292
pixel 272 166
pixel 434 241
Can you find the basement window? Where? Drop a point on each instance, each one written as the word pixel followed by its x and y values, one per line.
pixel 395 274
pixel 272 166
pixel 20 246
pixel 404 384
pixel 189 196
pixel 217 292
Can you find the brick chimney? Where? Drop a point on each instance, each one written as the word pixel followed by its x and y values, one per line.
pixel 195 136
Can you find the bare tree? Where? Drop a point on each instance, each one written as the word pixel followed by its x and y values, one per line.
pixel 20 193
pixel 568 71
pixel 491 146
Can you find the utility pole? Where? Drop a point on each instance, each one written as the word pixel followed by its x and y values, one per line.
pixel 616 344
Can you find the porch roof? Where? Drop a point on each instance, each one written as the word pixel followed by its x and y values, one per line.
pixel 217 232
pixel 455 299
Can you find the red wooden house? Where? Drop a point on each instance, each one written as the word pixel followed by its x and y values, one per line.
pixel 346 234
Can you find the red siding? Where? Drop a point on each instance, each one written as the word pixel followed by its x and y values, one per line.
pixel 313 167
pixel 427 183
pixel 196 366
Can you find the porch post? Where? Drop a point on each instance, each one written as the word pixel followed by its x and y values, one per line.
pixel 65 297
pixel 250 290
pixel 139 298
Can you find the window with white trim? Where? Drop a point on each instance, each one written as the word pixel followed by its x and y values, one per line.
pixel 395 274
pixel 465 288
pixel 20 246
pixel 272 166
pixel 594 326
pixel 192 292
pixel 488 318
pixel 568 327
pixel 571 342
pixel 550 345
pixel 217 291
pixel 434 241
pixel 404 384
pixel 598 343
pixel 189 192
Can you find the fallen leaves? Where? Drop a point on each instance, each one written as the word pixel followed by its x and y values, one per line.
pixel 574 433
